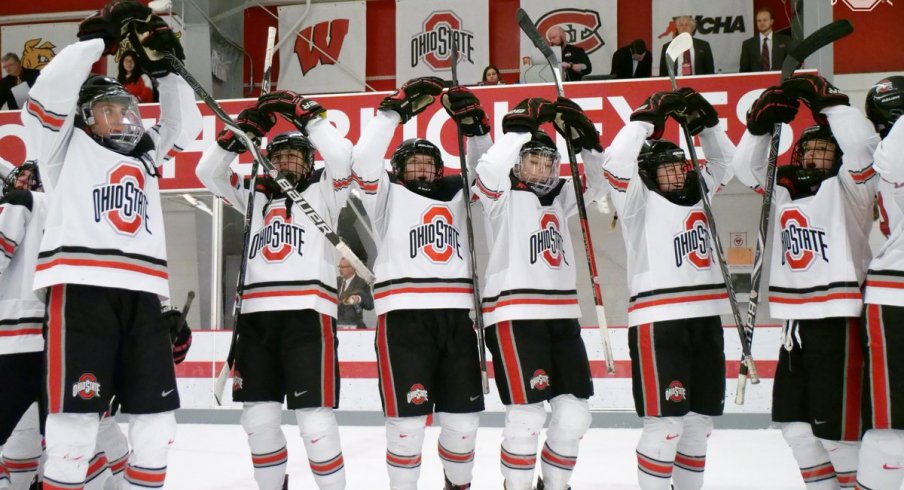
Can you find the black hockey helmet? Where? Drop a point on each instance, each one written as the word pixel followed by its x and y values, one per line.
pixel 24 177
pixel 297 166
pixel 413 147
pixel 680 185
pixel 538 164
pixel 816 157
pixel 109 113
pixel 885 103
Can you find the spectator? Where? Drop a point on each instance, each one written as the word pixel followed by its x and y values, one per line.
pixel 575 63
pixel 491 76
pixel 133 78
pixel 632 61
pixel 697 61
pixel 15 74
pixel 354 297
pixel 766 50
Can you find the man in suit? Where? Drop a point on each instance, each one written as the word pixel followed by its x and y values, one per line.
pixel 15 74
pixel 575 63
pixel 696 61
pixel 354 297
pixel 632 61
pixel 766 50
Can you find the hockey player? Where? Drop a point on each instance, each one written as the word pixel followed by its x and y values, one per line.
pixel 426 344
pixel 102 258
pixel 530 303
pixel 823 214
pixel 882 448
pixel 287 327
pixel 675 333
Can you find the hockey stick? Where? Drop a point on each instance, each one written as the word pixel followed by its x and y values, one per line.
pixel 677 47
pixel 466 190
pixel 188 300
pixel 527 25
pixel 818 39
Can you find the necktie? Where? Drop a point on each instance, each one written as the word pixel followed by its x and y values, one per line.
pixel 765 54
pixel 686 68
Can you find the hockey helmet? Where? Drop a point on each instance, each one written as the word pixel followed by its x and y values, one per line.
pixel 110 114
pixel 664 169
pixel 885 103
pixel 538 164
pixel 816 158
pixel 292 153
pixel 24 177
pixel 419 180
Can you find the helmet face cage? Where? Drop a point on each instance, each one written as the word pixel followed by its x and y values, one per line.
pixel 665 170
pixel 885 103
pixel 817 150
pixel 538 166
pixel 24 177
pixel 293 154
pixel 114 119
pixel 414 147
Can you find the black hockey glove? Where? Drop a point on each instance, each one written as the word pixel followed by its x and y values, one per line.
pixel 180 334
pixel 295 108
pixel 413 97
pixel 581 131
pixel 773 106
pixel 527 116
pixel 698 112
pixel 464 108
pixel 151 40
pixel 657 108
pixel 99 27
pixel 816 92
pixel 254 122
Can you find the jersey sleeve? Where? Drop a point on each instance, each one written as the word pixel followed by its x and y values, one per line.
pixel 49 112
pixel 476 147
pixel 719 151
pixel 15 212
pixel 889 156
pixel 492 183
pixel 180 119
pixel 213 171
pixel 595 186
pixel 620 166
pixel 368 167
pixel 858 141
pixel 337 156
pixel 750 158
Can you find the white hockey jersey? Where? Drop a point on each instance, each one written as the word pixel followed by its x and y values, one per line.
pixel 422 243
pixel 885 278
pixel 104 220
pixel 671 273
pixel 531 270
pixel 22 215
pixel 290 264
pixel 820 248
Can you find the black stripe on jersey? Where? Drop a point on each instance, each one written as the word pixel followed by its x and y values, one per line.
pixel 108 252
pixel 815 289
pixel 885 272
pixel 19 321
pixel 532 292
pixel 272 284
pixel 682 289
pixel 19 198
pixel 421 280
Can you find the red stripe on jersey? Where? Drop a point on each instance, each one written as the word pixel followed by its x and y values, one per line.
pixel 693 463
pixel 617 183
pixel 20 465
pixel 308 292
pixel 97 466
pixel 884 284
pixel 554 459
pixel 455 457
pixel 387 384
pixel 518 461
pixel 328 357
pixel 24 331
pixel 146 477
pixel 814 299
pixel 649 377
pixel 678 299
pixel 878 368
pixel 405 461
pixel 35 109
pixel 425 290
pixel 816 473
pixel 486 190
pixel 9 247
pixel 511 363
pixel 267 459
pixel 654 467
pixel 530 301
pixel 327 467
pixel 861 176
pixel 369 187
pixel 55 349
pixel 102 263
pixel 339 184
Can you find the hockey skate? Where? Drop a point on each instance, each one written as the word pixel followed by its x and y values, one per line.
pixel 541 486
pixel 450 486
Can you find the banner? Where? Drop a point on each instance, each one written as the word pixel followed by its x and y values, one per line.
pixel 37 44
pixel 329 55
pixel 724 25
pixel 425 30
pixel 589 24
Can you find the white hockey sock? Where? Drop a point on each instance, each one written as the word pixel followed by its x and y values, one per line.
pixel 812 458
pixel 4 473
pixel 114 444
pixel 570 421
pixel 690 458
pixel 261 422
pixel 456 445
pixel 656 451
pixel 98 472
pixel 843 456
pixel 22 452
pixel 881 465
pixel 151 436
pixel 70 445
pixel 320 433
pixel 523 424
pixel 404 440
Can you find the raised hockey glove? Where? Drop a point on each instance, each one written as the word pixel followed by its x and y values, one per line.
pixel 572 123
pixel 464 108
pixel 99 27
pixel 657 108
pixel 814 91
pixel 180 334
pixel 123 12
pixel 772 107
pixel 295 108
pixel 698 112
pixel 413 97
pixel 151 41
pixel 254 122
pixel 527 116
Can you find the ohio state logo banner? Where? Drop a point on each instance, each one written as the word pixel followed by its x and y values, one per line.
pixel 332 34
pixel 426 30
pixel 724 25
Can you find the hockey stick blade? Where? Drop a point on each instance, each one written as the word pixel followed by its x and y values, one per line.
pixel 219 385
pixel 820 38
pixel 530 30
pixel 681 43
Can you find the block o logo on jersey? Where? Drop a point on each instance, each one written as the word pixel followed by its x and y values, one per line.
pixel 434 44
pixel 547 243
pixel 676 392
pixel 86 387
pixel 581 26
pixel 277 238
pixel 122 201
pixel 540 380
pixel 436 236
pixel 801 244
pixel 692 244
pixel 862 5
pixel 417 394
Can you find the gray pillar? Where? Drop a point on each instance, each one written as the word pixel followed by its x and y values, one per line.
pixel 818 13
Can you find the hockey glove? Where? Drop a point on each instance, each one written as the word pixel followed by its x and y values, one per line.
pixel 657 108
pixel 123 12
pixel 698 113
pixel 816 92
pixel 99 27
pixel 464 108
pixel 254 122
pixel 295 108
pixel 151 41
pixel 180 334
pixel 527 116
pixel 413 97
pixel 773 106
pixel 572 123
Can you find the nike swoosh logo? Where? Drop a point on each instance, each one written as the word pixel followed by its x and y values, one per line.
pixel 299 393
pixel 475 397
pixel 315 441
pixel 402 436
pixel 164 394
pixel 886 467
pixel 669 437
